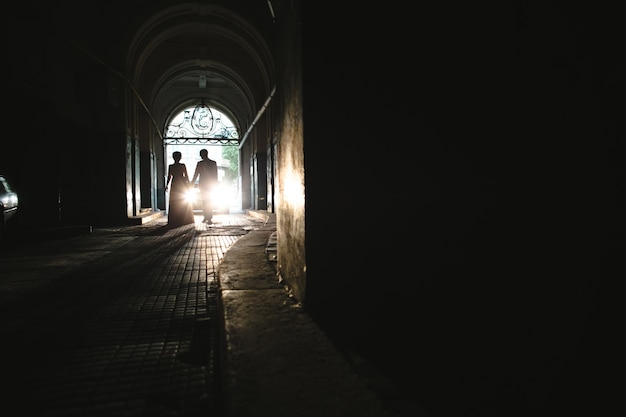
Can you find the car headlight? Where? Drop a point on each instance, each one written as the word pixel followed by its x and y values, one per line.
pixel 192 194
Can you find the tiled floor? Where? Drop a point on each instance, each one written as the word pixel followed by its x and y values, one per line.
pixel 131 333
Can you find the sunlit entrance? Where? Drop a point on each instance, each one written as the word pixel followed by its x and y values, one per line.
pixel 204 127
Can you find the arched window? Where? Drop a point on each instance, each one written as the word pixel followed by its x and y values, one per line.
pixel 201 124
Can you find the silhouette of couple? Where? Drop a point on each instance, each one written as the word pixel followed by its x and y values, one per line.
pixel 180 210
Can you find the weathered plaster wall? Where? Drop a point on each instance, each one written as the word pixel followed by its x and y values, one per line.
pixel 290 183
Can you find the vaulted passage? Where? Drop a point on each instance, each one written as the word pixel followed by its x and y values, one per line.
pixel 448 181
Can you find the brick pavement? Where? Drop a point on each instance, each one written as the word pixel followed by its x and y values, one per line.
pixel 146 320
pixel 127 329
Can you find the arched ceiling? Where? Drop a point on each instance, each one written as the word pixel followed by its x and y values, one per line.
pixel 191 52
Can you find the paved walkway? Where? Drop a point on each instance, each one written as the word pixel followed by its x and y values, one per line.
pixel 116 323
pixel 129 322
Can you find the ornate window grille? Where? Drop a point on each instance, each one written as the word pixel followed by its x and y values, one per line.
pixel 201 124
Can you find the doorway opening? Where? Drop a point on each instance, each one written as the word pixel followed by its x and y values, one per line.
pixel 204 127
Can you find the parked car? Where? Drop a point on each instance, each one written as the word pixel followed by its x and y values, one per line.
pixel 8 203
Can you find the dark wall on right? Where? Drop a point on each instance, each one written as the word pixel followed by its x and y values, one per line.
pixel 465 199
